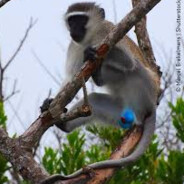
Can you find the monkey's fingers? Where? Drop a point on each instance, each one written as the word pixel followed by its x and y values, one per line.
pixel 46 103
pixel 90 53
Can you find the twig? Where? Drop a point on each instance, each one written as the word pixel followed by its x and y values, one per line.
pixel 31 24
pixel 14 91
pixel 15 111
pixel 3 69
pixel 86 102
pixel 46 69
pixel 82 111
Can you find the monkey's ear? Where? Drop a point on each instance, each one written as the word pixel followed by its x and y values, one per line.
pixel 102 11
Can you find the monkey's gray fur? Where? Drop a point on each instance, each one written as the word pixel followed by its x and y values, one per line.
pixel 128 82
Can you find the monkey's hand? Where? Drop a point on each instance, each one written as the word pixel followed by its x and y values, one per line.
pixel 45 106
pixel 46 103
pixel 90 53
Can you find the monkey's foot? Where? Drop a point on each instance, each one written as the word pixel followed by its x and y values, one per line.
pixel 46 103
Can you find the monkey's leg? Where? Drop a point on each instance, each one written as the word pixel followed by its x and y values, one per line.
pixel 149 127
pixel 105 109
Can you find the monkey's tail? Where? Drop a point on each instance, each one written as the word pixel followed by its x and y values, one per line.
pixel 149 127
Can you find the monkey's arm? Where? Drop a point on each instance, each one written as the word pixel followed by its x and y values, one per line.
pixel 90 54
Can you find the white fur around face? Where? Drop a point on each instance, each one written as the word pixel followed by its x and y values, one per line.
pixel 73 14
pixel 91 27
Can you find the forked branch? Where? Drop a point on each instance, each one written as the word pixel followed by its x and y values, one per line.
pixel 20 154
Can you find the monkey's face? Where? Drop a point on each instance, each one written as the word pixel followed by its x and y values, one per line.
pixel 77 26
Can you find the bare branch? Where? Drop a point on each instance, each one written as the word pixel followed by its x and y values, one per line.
pixel 17 151
pixel 145 43
pixel 46 69
pixel 31 24
pixel 83 111
pixel 14 91
pixel 15 111
pixel 3 69
pixel 85 93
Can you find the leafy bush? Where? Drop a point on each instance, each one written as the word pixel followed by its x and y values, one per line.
pixel 154 167
pixel 3 162
pixel 177 112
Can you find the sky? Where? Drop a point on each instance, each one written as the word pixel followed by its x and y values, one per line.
pixel 49 39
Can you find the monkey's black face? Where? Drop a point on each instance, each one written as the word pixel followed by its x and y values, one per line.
pixel 77 25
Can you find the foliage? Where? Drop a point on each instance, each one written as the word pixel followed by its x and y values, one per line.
pixel 73 156
pixel 3 117
pixel 3 169
pixel 177 112
pixel 3 162
pixel 154 167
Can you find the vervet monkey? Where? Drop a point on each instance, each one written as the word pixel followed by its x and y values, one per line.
pixel 132 86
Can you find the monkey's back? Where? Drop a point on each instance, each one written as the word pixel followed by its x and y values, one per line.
pixel 128 79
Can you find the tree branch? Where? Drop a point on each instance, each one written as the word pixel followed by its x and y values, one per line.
pixel 17 151
pixel 146 48
pixel 31 24
pixel 21 159
pixel 145 43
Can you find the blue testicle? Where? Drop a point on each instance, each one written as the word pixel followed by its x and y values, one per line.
pixel 127 118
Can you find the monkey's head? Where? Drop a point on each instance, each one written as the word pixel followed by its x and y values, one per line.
pixel 82 20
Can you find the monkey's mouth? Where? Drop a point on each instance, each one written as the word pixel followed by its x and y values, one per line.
pixel 78 34
pixel 77 37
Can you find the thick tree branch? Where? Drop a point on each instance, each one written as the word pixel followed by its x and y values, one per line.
pixel 19 149
pixel 100 176
pixel 21 159
pixel 146 48
pixel 145 43
pixel 127 145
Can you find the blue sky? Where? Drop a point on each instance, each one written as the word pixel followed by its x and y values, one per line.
pixel 49 39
